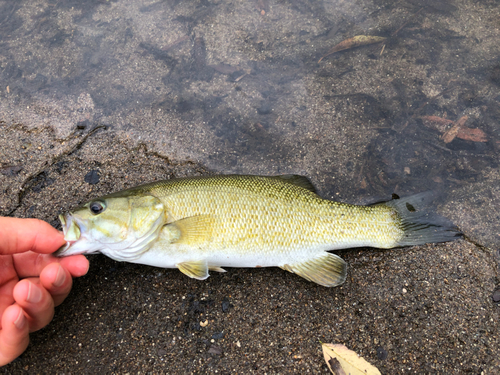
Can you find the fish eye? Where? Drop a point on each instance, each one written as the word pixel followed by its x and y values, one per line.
pixel 97 207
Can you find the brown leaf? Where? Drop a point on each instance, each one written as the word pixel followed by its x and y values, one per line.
pixel 474 135
pixel 459 130
pixel 450 134
pixel 435 122
pixel 461 121
pixel 355 41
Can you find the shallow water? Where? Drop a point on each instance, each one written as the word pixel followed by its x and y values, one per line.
pixel 236 86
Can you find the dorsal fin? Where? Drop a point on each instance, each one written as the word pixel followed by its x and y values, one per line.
pixel 298 180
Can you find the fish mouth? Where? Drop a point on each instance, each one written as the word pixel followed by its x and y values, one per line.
pixel 72 234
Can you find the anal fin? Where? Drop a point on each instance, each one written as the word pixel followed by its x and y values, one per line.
pixel 216 269
pixel 197 269
pixel 326 269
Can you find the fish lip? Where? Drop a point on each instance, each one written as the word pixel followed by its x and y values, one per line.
pixel 66 222
pixel 60 252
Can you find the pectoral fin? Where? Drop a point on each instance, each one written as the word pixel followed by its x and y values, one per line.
pixel 197 269
pixel 326 269
pixel 193 230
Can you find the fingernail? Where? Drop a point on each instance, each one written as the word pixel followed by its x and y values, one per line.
pixel 20 321
pixel 60 277
pixel 34 294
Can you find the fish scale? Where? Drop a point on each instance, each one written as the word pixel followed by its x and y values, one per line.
pixel 285 210
pixel 206 223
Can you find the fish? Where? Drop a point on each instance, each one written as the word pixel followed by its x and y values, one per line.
pixel 202 224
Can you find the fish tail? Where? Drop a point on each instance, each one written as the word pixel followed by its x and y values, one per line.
pixel 419 225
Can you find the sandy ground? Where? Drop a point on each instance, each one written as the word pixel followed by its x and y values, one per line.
pixel 99 96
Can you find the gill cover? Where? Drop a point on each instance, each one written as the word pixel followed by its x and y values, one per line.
pixel 146 218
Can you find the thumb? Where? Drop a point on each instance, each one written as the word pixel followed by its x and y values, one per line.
pixel 20 235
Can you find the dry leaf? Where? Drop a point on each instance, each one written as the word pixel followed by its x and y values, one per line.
pixel 450 134
pixel 458 130
pixel 349 361
pixel 435 122
pixel 474 135
pixel 355 41
pixel 461 121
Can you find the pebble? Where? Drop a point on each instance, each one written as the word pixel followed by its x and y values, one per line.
pixel 381 353
pixel 496 295
pixel 215 349
pixel 92 177
pixel 226 304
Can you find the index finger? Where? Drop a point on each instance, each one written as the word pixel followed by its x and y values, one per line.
pixel 20 235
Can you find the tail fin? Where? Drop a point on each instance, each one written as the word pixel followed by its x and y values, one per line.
pixel 421 226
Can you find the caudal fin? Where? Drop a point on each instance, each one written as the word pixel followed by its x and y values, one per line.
pixel 421 226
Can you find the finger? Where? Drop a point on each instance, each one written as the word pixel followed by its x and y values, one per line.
pixel 20 235
pixel 31 264
pixel 36 302
pixel 8 279
pixel 57 281
pixel 14 336
pixel 77 265
pixel 6 298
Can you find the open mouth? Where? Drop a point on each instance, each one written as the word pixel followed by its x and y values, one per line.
pixel 71 232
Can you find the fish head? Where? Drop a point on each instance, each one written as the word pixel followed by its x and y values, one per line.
pixel 121 227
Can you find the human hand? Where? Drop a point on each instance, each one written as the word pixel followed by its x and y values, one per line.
pixel 32 281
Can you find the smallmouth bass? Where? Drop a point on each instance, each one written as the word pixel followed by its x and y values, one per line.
pixel 199 224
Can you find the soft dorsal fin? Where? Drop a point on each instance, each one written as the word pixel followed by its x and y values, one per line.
pixel 326 269
pixel 298 180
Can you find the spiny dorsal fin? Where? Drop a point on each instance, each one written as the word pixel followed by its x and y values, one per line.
pixel 326 269
pixel 194 229
pixel 197 269
pixel 298 180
